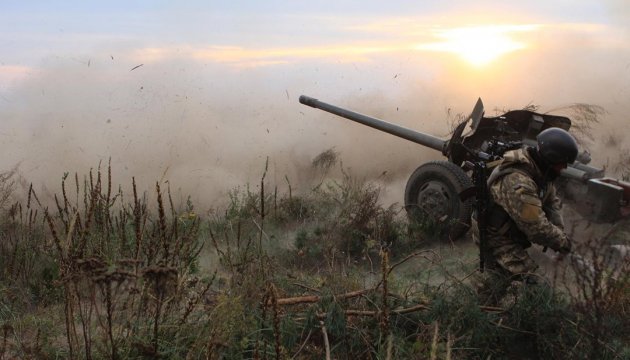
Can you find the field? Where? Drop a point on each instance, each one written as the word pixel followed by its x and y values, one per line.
pixel 327 273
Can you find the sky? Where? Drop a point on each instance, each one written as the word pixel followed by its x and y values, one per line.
pixel 201 93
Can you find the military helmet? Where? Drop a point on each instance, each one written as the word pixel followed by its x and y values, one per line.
pixel 557 146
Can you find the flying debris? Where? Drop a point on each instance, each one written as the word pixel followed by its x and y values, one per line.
pixel 135 67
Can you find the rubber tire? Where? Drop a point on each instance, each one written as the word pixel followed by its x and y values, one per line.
pixel 440 183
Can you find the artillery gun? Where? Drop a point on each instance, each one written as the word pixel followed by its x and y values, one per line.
pixel 433 190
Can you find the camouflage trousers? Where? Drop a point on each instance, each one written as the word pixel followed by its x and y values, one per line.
pixel 507 268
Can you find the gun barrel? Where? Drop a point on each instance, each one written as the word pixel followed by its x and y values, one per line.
pixel 396 130
pixel 574 173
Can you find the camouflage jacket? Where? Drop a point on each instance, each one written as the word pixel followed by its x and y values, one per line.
pixel 528 208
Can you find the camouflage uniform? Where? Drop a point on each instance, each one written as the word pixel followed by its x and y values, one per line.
pixel 525 210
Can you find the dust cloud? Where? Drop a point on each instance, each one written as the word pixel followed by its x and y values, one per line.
pixel 208 127
pixel 204 128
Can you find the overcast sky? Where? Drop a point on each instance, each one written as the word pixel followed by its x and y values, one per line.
pixel 216 89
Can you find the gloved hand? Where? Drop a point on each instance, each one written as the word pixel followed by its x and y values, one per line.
pixel 566 247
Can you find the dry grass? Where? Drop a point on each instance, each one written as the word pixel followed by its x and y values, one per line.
pixel 583 118
pixel 325 281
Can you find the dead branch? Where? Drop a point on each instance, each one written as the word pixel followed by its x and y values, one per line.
pixel 580 329
pixel 308 336
pixel 306 287
pixel 315 298
pixel 352 312
pixel 261 230
pixel 326 343
pixel 407 258
pixel 491 308
pixel 410 309
pixel 434 342
pixel 500 324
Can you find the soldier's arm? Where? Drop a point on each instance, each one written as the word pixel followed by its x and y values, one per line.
pixel 518 195
pixel 553 207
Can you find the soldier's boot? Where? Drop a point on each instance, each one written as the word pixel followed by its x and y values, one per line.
pixel 491 287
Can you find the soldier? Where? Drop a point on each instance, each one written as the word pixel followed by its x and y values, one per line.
pixel 525 209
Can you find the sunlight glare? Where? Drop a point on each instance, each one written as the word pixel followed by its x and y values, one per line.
pixel 478 45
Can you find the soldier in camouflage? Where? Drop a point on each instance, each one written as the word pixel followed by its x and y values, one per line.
pixel 525 209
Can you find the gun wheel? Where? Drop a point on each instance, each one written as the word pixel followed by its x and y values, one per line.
pixel 432 198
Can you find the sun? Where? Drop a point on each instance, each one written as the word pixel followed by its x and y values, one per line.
pixel 478 45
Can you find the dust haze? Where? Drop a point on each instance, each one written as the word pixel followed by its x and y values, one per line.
pixel 208 127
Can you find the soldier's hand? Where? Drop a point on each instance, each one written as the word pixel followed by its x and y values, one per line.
pixel 566 247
